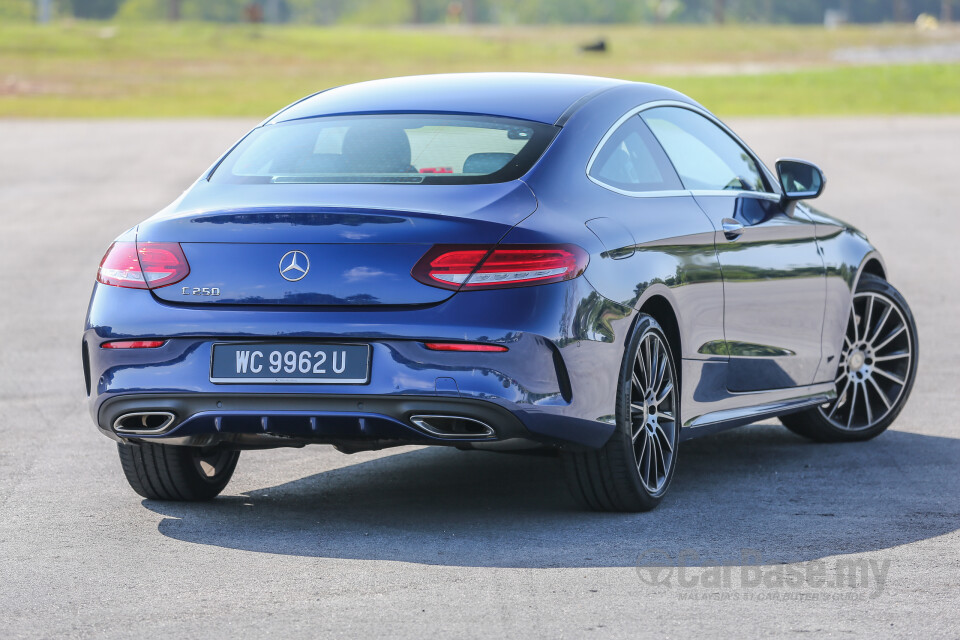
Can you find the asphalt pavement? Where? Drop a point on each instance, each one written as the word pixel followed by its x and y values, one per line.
pixel 762 532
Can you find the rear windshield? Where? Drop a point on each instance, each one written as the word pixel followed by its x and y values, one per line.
pixel 414 149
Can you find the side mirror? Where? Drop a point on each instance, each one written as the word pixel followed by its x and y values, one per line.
pixel 800 180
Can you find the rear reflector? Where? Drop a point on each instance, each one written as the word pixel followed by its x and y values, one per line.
pixel 133 344
pixel 480 267
pixel 143 265
pixel 463 346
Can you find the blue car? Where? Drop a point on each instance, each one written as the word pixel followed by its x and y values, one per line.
pixel 503 262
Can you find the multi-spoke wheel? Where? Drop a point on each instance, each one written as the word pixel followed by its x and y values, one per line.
pixel 633 470
pixel 166 472
pixel 876 368
pixel 653 413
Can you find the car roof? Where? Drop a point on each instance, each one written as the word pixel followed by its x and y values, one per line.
pixel 540 97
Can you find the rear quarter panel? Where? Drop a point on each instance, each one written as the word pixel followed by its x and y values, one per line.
pixel 665 246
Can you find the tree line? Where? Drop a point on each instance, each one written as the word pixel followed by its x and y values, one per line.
pixel 488 11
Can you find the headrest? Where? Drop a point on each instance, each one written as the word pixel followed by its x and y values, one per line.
pixel 376 148
pixel 486 162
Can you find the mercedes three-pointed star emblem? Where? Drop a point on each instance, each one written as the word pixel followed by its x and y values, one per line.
pixel 294 265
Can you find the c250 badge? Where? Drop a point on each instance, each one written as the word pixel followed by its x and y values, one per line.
pixel 200 291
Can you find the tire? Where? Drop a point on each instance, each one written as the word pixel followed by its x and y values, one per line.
pixel 877 368
pixel 621 476
pixel 166 472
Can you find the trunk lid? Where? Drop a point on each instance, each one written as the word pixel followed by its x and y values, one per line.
pixel 338 245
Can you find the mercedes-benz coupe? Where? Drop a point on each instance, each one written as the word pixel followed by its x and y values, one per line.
pixel 490 261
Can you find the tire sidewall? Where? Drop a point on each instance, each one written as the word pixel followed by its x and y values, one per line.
pixel 873 284
pixel 206 485
pixel 644 325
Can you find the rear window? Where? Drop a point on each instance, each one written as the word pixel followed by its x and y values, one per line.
pixel 413 149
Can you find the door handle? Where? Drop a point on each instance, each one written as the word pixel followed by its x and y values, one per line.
pixel 731 228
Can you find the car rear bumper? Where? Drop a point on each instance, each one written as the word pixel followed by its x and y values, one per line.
pixel 552 386
pixel 290 419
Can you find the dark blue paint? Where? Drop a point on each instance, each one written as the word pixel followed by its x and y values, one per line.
pixel 566 340
pixel 526 96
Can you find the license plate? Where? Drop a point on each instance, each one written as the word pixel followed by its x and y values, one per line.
pixel 291 363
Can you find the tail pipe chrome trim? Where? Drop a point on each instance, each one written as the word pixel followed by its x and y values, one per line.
pixel 453 426
pixel 143 422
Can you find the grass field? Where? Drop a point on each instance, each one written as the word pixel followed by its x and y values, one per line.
pixel 142 70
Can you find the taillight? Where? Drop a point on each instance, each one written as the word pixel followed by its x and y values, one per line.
pixel 143 265
pixel 133 344
pixel 120 267
pixel 463 346
pixel 480 267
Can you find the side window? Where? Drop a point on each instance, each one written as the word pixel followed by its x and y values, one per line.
pixel 631 160
pixel 704 155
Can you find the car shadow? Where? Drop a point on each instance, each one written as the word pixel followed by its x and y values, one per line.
pixel 759 488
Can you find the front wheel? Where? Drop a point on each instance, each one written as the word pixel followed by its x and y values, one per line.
pixel 633 470
pixel 167 472
pixel 878 364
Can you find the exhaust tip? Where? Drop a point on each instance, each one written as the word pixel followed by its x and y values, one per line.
pixel 452 426
pixel 143 422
